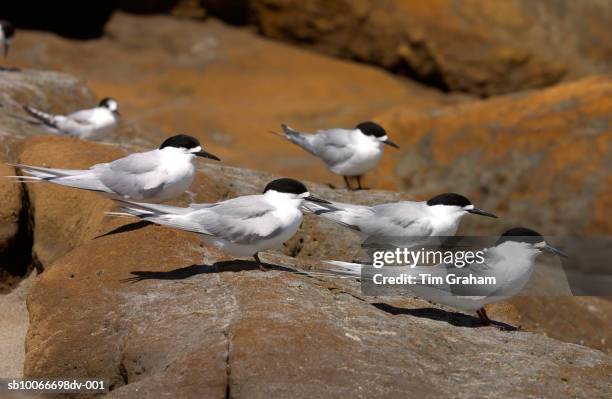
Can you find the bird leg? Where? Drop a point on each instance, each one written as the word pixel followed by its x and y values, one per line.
pixel 259 263
pixel 348 183
pixel 359 186
pixel 359 183
pixel 482 313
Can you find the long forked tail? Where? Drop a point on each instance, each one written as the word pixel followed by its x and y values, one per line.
pixel 296 137
pixel 43 117
pixel 166 215
pixel 144 210
pixel 49 174
pixel 76 178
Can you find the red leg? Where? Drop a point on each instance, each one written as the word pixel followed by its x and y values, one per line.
pixel 259 263
pixel 348 183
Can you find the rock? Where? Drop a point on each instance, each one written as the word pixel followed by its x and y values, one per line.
pixel 480 47
pixel 582 320
pixel 64 217
pixel 225 85
pixel 231 330
pixel 13 329
pixel 542 158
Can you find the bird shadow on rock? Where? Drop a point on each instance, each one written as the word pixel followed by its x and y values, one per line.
pixel 186 272
pixel 454 318
pixel 126 228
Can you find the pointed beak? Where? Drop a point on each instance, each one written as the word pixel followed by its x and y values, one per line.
pixel 205 154
pixel 312 198
pixel 553 251
pixel 480 212
pixel 391 143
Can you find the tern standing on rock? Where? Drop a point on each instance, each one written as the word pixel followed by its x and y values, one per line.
pixel 86 124
pixel 346 152
pixel 510 262
pixel 7 33
pixel 153 176
pixel 241 226
pixel 439 216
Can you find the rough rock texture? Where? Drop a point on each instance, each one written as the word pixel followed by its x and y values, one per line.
pixel 234 331
pixel 13 329
pixel 583 320
pixel 198 324
pixel 57 226
pixel 543 157
pixel 224 85
pixel 481 47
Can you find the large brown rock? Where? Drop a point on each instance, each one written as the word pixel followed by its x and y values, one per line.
pixel 542 158
pixel 197 324
pixel 481 47
pixel 231 330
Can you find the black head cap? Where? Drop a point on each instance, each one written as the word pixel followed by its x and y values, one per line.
pixel 109 103
pixel 7 28
pixel 371 129
pixel 520 234
pixel 286 185
pixel 181 141
pixel 449 199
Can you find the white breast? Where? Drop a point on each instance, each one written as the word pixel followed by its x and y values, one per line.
pixel 367 151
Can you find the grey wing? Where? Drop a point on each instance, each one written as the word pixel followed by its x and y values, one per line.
pixel 136 176
pixel 333 146
pixel 400 219
pixel 83 117
pixel 240 220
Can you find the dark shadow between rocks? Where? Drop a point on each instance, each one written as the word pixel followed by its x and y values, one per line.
pixel 9 69
pixel 186 272
pixel 454 318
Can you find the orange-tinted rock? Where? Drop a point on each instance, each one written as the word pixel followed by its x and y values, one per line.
pixel 481 47
pixel 246 331
pixel 231 329
pixel 541 159
pixel 64 217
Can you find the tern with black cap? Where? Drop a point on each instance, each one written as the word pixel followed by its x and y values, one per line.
pixel 86 124
pixel 242 226
pixel 509 262
pixel 152 176
pixel 346 152
pixel 439 216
